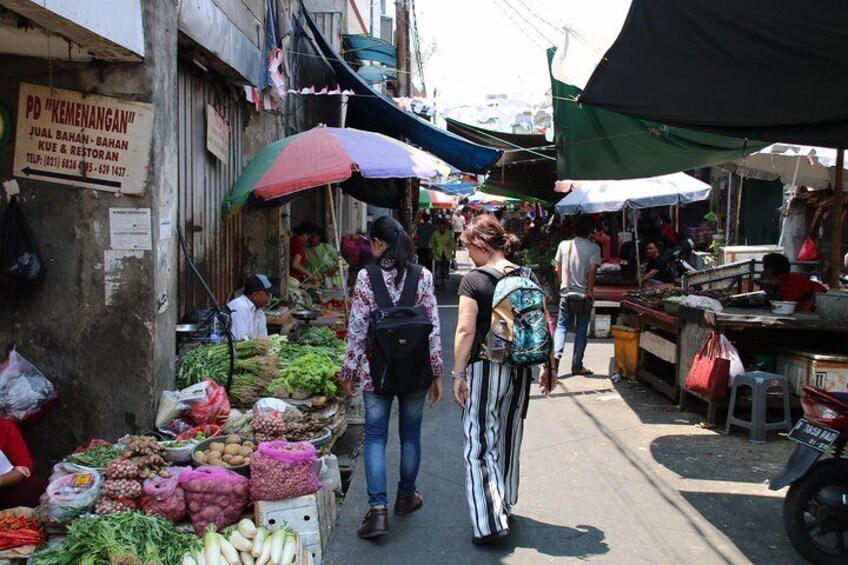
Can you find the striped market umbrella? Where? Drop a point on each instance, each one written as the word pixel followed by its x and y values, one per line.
pixel 327 155
pixel 434 199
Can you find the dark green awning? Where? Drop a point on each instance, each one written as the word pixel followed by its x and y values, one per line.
pixel 367 48
pixel 596 144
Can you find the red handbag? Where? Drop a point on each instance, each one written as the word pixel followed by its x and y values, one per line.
pixel 709 374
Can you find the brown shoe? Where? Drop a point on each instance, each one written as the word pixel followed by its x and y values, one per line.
pixel 375 523
pixel 408 504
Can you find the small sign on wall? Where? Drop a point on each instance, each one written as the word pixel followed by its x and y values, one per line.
pixel 129 228
pixel 217 135
pixel 84 140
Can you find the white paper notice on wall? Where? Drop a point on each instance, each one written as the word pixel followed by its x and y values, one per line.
pixel 129 228
pixel 164 230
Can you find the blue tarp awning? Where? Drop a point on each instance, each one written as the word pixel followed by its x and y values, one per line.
pixel 367 48
pixel 373 111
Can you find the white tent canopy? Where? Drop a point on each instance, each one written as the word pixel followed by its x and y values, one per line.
pixel 592 197
pixel 797 165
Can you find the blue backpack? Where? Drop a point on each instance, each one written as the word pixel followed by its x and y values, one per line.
pixel 521 304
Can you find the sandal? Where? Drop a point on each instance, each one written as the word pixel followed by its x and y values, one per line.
pixel 583 371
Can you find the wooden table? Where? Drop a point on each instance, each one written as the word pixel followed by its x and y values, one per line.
pixel 759 331
pixel 658 336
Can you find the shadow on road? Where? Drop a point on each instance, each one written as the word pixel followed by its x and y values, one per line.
pixel 753 523
pixel 548 540
pixel 715 457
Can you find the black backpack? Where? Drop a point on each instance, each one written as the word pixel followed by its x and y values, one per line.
pixel 399 338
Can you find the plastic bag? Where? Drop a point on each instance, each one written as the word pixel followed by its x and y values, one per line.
pixel 703 302
pixel 20 263
pixel 174 405
pixel 327 468
pixel 164 497
pixel 24 390
pixel 280 470
pixel 215 409
pixel 206 431
pixel 70 496
pixel 729 352
pixel 214 496
pixel 808 251
pixel 266 405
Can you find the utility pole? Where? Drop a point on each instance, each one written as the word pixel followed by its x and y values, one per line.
pixel 405 87
pixel 836 222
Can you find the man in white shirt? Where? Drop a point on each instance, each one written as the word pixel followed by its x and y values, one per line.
pixel 577 262
pixel 458 225
pixel 247 315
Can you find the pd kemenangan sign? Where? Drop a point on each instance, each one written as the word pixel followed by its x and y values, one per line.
pixel 89 141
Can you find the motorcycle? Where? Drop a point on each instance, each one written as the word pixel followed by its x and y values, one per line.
pixel 815 511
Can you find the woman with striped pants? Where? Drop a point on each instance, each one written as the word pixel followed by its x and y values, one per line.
pixel 493 396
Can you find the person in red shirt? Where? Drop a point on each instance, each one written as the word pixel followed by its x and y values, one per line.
pixel 297 252
pixel 791 287
pixel 18 486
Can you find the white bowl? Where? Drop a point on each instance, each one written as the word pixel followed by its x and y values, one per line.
pixel 783 307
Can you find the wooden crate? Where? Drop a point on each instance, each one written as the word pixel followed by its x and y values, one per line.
pixel 805 368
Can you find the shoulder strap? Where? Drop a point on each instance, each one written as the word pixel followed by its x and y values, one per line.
pixel 492 272
pixel 378 286
pixel 410 286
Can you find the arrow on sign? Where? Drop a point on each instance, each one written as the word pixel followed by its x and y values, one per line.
pixel 50 174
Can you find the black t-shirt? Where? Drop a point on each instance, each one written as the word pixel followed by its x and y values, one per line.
pixel 664 266
pixel 480 287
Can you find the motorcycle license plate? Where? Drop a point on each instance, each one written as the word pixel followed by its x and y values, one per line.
pixel 813 435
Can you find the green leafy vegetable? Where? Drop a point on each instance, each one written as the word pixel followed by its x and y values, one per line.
pixel 124 537
pixel 324 337
pixel 96 457
pixel 309 372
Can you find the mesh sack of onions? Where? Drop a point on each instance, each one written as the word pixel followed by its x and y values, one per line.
pixel 280 470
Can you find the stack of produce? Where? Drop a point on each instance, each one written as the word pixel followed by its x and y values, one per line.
pixel 19 530
pixel 142 459
pixel 124 538
pixel 231 451
pixel 215 496
pixel 246 545
pixel 255 367
pixel 290 426
pixel 653 297
pixel 96 456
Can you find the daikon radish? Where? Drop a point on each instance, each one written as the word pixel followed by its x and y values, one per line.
pixel 278 539
pixel 240 542
pixel 247 529
pixel 258 542
pixel 247 558
pixel 188 560
pixel 212 549
pixel 228 551
pixel 290 548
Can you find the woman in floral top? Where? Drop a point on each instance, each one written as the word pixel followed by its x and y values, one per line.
pixel 390 245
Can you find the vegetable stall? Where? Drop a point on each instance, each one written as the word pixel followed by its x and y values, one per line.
pixel 222 479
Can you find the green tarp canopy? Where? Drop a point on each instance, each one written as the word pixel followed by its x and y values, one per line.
pixel 595 144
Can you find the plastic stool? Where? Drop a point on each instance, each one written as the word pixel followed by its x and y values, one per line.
pixel 760 383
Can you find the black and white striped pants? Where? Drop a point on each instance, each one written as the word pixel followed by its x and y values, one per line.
pixel 493 423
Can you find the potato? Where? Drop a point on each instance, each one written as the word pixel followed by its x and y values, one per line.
pixel 237 460
pixel 213 455
pixel 201 456
pixel 245 451
pixel 247 460
pixel 218 463
pixel 227 458
pixel 249 444
pixel 235 438
pixel 217 446
pixel 232 449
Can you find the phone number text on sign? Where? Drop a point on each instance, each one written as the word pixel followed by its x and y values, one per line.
pixel 88 141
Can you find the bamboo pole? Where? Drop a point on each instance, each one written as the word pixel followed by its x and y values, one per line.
pixel 836 221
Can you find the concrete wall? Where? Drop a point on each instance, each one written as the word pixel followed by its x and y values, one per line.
pixel 108 362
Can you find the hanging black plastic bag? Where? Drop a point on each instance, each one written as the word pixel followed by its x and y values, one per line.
pixel 20 263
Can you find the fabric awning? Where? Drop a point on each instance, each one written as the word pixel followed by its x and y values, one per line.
pixel 530 172
pixel 596 144
pixel 373 111
pixel 774 70
pixel 368 48
pixel 592 197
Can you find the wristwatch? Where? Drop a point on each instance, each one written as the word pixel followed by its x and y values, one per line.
pixel 459 374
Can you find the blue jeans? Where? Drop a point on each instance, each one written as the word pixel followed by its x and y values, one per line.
pixel 378 409
pixel 564 321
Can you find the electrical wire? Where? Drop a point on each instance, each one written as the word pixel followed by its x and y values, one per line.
pixel 535 14
pixel 517 25
pixel 518 12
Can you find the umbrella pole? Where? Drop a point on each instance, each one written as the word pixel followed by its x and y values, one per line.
pixel 836 221
pixel 638 252
pixel 336 242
